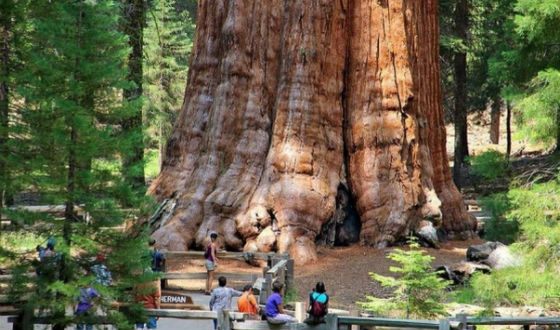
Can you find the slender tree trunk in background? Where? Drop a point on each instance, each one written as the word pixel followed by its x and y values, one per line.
pixel 5 37
pixel 495 120
pixel 285 102
pixel 508 129
pixel 460 72
pixel 134 16
pixel 557 129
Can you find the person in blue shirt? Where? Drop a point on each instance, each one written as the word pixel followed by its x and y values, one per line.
pixel 274 310
pixel 318 305
pixel 85 306
pixel 158 261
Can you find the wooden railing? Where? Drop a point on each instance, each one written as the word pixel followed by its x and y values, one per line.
pixel 238 321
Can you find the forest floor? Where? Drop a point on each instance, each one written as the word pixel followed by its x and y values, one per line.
pixel 344 270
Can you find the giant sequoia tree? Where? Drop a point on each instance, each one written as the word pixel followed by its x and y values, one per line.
pixel 288 100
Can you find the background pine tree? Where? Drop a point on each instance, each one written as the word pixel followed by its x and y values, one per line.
pixel 71 95
pixel 168 37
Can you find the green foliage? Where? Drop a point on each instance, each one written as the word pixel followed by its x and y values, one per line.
pixel 490 34
pixel 419 291
pixel 499 227
pixel 537 210
pixel 489 165
pixel 168 38
pixel 540 108
pixel 67 144
pixel 530 64
pixel 291 295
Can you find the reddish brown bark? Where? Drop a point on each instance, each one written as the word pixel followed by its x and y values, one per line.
pixel 288 100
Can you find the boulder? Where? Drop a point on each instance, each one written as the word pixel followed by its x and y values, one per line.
pixel 481 251
pixel 427 234
pixel 502 257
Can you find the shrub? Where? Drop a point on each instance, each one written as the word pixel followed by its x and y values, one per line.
pixel 537 210
pixel 499 227
pixel 419 291
pixel 489 165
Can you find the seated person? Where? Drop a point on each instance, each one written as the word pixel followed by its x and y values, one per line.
pixel 274 309
pixel 247 303
pixel 318 305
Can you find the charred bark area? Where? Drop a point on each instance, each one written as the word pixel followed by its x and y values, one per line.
pixel 344 227
pixel 298 111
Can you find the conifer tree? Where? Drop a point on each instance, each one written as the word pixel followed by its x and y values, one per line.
pixel 72 85
pixel 5 36
pixel 133 22
pixel 168 44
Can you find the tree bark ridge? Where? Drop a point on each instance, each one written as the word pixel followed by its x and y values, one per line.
pixel 287 101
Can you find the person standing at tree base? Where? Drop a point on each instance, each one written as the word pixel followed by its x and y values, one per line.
pixel 211 261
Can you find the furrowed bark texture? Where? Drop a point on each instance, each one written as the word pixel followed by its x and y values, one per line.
pixel 288 100
pixel 456 222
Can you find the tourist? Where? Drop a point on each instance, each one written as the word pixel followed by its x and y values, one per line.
pixel 274 309
pixel 247 303
pixel 318 305
pixel 158 261
pixel 99 269
pixel 221 297
pixel 84 308
pixel 211 261
pixel 149 295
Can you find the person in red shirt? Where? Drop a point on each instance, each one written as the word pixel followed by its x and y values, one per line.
pixel 149 294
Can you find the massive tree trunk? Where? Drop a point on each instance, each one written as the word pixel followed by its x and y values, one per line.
pixel 460 72
pixel 290 100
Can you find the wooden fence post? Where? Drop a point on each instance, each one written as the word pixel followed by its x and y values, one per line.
pixel 300 312
pixel 290 272
pixel 444 324
pixel 224 320
pixel 331 322
pixel 355 312
pixel 462 318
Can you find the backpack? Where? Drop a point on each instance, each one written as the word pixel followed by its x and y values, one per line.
pixel 318 309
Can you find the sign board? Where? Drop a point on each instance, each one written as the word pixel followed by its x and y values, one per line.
pixel 175 297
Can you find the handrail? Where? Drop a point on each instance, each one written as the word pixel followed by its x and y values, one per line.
pixel 513 320
pixel 386 322
pixel 274 270
pixel 223 254
pixel 188 314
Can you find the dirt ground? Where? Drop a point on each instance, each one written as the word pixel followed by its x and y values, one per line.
pixel 344 270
